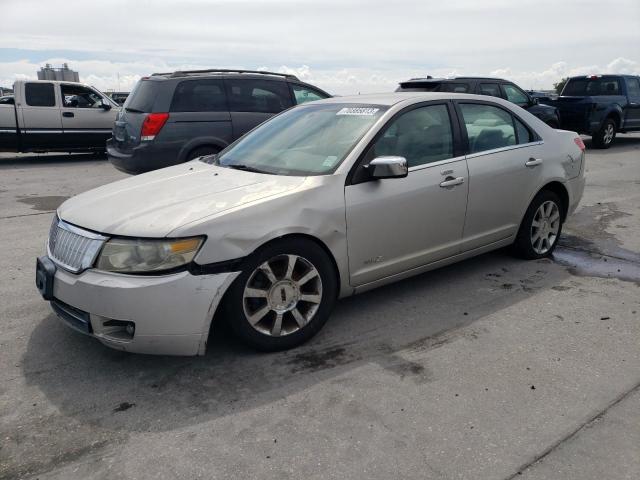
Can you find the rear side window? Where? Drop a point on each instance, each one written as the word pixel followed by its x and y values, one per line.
pixel 455 87
pixel 262 96
pixel 488 127
pixel 633 87
pixel 40 94
pixel 142 97
pixel 522 132
pixel 492 89
pixel 199 96
pixel 305 94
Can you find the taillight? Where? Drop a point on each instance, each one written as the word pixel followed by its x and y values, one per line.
pixel 152 125
pixel 579 143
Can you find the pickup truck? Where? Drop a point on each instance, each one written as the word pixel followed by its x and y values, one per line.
pixel 56 116
pixel 600 106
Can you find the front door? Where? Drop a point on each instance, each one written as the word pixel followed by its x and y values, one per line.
pixel 85 123
pixel 394 225
pixel 633 108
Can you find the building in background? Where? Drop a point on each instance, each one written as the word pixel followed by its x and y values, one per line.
pixel 61 73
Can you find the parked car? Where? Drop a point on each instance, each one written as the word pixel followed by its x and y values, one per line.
pixel 541 96
pixel 600 106
pixel 495 87
pixel 170 118
pixel 55 116
pixel 323 201
pixel 7 100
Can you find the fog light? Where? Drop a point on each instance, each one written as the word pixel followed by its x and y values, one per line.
pixel 131 329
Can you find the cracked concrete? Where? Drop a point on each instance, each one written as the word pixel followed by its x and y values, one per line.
pixel 451 374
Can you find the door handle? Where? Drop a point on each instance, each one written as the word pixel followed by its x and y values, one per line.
pixel 452 182
pixel 533 162
pixel 68 114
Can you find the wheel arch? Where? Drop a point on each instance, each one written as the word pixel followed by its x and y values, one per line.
pixel 200 142
pixel 559 189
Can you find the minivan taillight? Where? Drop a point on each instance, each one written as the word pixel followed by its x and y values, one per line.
pixel 152 125
pixel 579 143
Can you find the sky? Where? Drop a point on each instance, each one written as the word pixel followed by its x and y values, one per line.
pixel 344 47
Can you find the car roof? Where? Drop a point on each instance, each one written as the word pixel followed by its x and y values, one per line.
pixel 389 99
pixel 453 79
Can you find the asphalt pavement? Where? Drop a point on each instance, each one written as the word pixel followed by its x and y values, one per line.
pixel 493 368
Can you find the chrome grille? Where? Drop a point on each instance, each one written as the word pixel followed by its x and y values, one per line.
pixel 73 248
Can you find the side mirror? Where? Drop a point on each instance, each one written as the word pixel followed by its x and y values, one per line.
pixel 105 104
pixel 534 101
pixel 388 167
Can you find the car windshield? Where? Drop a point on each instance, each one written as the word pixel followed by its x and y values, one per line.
pixel 306 140
pixel 580 87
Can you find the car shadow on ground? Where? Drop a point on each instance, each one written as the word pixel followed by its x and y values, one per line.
pixel 114 392
pixel 12 160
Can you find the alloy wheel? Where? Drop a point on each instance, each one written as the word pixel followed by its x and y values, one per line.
pixel 545 227
pixel 282 295
pixel 608 134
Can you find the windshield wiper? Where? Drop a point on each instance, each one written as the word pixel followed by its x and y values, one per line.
pixel 246 168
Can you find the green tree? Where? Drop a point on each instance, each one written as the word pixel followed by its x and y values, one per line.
pixel 560 85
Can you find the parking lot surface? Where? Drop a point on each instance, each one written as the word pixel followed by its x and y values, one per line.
pixel 494 368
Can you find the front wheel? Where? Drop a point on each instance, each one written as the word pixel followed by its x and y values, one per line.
pixel 604 137
pixel 284 295
pixel 541 227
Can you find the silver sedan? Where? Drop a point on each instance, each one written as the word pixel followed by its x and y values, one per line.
pixel 323 201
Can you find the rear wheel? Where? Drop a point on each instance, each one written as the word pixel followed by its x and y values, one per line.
pixel 604 137
pixel 541 227
pixel 201 152
pixel 283 296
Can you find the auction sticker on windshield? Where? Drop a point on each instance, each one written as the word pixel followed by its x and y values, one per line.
pixel 357 111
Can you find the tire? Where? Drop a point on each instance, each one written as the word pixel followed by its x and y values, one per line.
pixel 272 310
pixel 541 227
pixel 201 151
pixel 604 137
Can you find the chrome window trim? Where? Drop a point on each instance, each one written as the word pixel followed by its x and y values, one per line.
pixel 435 164
pixel 505 149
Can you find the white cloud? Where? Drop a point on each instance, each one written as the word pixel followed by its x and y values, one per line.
pixel 107 75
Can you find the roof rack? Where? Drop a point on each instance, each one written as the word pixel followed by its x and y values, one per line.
pixel 184 73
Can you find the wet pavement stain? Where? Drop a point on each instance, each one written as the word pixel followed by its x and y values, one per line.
pixel 46 203
pixel 591 264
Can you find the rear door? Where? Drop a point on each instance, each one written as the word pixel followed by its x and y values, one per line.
pixel 85 122
pixel 394 225
pixel 252 101
pixel 505 168
pixel 633 108
pixel 41 122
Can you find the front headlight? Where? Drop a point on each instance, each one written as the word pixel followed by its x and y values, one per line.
pixel 143 255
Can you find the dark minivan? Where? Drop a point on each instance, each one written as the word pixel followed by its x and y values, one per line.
pixel 170 118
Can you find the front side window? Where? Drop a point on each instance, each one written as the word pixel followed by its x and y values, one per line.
pixel 488 127
pixel 492 89
pixel 199 96
pixel 515 95
pixel 422 135
pixel 40 94
pixel 305 94
pixel 262 96
pixel 307 140
pixel 75 96
pixel 633 87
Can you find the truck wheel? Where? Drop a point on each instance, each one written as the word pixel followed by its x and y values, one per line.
pixel 604 137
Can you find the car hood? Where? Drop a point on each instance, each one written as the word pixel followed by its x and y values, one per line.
pixel 156 203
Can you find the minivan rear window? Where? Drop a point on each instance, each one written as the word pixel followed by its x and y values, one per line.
pixel 142 97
